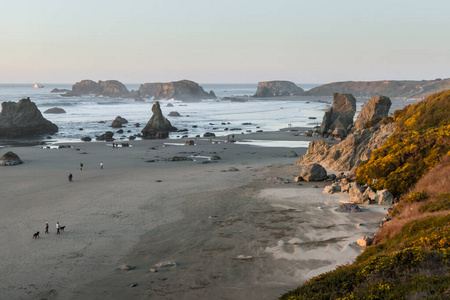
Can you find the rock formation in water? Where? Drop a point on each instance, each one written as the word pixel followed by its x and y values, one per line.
pixel 180 90
pixel 109 88
pixel 23 119
pixel 56 90
pixel 55 110
pixel 158 127
pixel 10 159
pixel 277 88
pixel 389 88
pixel 357 146
pixel 118 122
pixel 339 117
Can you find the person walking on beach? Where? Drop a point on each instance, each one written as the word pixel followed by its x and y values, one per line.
pixel 101 165
pixel 81 166
pixel 46 227
pixel 70 176
pixel 58 227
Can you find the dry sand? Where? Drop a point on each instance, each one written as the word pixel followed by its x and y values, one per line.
pixel 232 234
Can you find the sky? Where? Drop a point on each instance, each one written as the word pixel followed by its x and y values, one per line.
pixel 227 41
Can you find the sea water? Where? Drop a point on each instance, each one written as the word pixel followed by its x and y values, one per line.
pixel 92 116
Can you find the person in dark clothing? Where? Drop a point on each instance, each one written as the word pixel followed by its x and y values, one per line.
pixel 46 227
pixel 70 176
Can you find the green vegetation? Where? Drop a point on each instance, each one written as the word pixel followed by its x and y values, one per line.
pixel 422 137
pixel 442 203
pixel 410 258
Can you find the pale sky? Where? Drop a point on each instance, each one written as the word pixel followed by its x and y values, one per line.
pixel 228 41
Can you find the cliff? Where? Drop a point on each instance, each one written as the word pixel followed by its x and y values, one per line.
pixel 389 88
pixel 109 88
pixel 23 119
pixel 277 88
pixel 180 90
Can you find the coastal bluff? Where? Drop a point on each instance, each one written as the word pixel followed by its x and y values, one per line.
pixel 388 88
pixel 185 90
pixel 23 119
pixel 277 89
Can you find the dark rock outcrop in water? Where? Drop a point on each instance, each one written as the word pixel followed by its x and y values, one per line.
pixel 109 88
pixel 340 116
pixel 158 127
pixel 10 159
pixel 277 88
pixel 389 88
pixel 118 122
pixel 56 90
pixel 351 152
pixel 23 119
pixel 180 90
pixel 55 110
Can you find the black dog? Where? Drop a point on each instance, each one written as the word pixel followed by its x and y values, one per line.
pixel 36 235
pixel 62 228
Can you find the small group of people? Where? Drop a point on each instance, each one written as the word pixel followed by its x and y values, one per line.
pixel 81 168
pixel 58 227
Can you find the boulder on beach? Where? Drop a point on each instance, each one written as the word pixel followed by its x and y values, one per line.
pixel 55 110
pixel 23 119
pixel 291 154
pixel 340 116
pixel 314 172
pixel 107 136
pixel 158 127
pixel 86 139
pixel 189 143
pixel 277 88
pixel 384 197
pixel 10 159
pixel 348 208
pixel 365 241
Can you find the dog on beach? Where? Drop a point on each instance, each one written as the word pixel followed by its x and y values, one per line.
pixel 62 228
pixel 36 235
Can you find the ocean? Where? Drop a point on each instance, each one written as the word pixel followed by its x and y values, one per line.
pixel 92 116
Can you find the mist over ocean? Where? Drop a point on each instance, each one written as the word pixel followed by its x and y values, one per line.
pixel 208 115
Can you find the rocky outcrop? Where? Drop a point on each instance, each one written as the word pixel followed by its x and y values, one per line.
pixel 389 88
pixel 118 122
pixel 348 208
pixel 55 110
pixel 107 136
pixel 158 127
pixel 185 90
pixel 357 146
pixel 339 118
pixel 174 114
pixel 109 88
pixel 56 90
pixel 375 109
pixel 277 88
pixel 10 159
pixel 349 153
pixel 313 172
pixel 23 119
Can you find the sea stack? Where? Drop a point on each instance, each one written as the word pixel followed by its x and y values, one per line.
pixel 277 89
pixel 158 127
pixel 23 119
pixel 185 90
pixel 340 116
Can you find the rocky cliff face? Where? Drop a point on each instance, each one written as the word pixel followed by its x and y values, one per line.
pixel 357 146
pixel 375 109
pixel 340 116
pixel 158 127
pixel 277 88
pixel 389 88
pixel 180 90
pixel 351 152
pixel 23 119
pixel 109 88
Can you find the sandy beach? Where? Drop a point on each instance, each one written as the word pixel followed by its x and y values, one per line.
pixel 232 234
